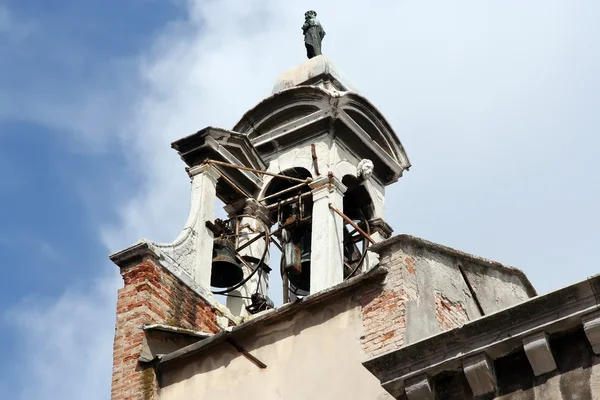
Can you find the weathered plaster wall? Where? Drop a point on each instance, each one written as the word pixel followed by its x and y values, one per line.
pixel 495 289
pixel 425 292
pixel 314 355
pixel 300 156
pixel 422 295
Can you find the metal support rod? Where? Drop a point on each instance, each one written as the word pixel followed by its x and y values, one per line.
pixel 246 354
pixel 283 191
pixel 348 220
pixel 288 200
pixel 254 239
pixel 276 244
pixel 257 171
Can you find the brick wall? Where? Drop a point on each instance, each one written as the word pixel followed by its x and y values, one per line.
pixel 384 308
pixel 431 288
pixel 449 314
pixel 151 294
pixel 423 294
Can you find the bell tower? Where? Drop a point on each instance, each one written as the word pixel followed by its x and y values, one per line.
pixel 303 176
pixel 314 128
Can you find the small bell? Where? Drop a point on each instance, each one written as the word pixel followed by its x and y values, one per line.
pixel 226 269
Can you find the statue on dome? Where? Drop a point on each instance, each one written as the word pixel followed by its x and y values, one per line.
pixel 313 34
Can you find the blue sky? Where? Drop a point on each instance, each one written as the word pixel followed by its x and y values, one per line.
pixel 496 105
pixel 59 175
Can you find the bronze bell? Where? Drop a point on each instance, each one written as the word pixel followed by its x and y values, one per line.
pixel 227 271
pixel 302 280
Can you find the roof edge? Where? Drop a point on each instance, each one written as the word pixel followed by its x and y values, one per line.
pixel 273 315
pixel 409 239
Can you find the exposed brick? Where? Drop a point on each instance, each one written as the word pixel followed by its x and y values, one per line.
pixel 383 309
pixel 151 295
pixel 449 314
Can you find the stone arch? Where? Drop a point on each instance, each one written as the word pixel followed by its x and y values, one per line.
pixel 281 108
pixel 276 184
pixel 358 203
pixel 370 119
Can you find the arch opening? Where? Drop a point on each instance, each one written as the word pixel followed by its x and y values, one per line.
pixel 358 206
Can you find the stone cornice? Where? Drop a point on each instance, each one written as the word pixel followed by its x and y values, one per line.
pixel 207 170
pixel 134 254
pixel 495 335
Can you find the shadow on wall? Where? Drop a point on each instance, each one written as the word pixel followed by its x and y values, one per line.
pixel 576 377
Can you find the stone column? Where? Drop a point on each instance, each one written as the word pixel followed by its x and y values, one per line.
pixel 327 251
pixel 204 197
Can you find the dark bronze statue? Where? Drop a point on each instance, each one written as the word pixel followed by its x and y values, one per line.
pixel 313 34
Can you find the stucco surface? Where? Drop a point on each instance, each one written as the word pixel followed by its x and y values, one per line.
pixel 315 355
pixel 495 289
pixel 432 273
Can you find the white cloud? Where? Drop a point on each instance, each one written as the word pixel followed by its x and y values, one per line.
pixel 487 99
pixel 66 342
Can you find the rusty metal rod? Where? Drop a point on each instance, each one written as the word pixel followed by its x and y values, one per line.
pixel 307 180
pixel 254 239
pixel 348 220
pixel 246 354
pixel 276 244
pixel 283 191
pixel 288 200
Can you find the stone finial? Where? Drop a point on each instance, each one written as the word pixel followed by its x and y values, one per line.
pixel 537 349
pixel 480 374
pixel 591 326
pixel 419 388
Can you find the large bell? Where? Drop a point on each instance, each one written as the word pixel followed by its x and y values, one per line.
pixel 302 280
pixel 226 269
